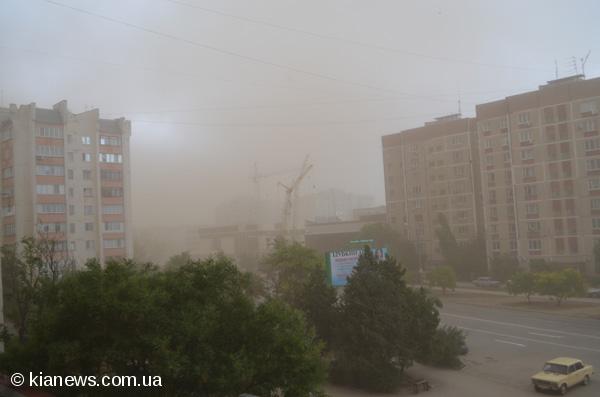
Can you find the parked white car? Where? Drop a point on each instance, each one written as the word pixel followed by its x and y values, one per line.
pixel 486 282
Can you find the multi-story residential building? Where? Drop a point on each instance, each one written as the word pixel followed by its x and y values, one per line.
pixel 540 167
pixel 431 170
pixel 66 176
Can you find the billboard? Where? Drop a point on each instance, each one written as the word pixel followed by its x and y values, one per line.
pixel 340 264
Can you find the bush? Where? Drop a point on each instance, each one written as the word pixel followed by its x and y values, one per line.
pixel 444 277
pixel 447 345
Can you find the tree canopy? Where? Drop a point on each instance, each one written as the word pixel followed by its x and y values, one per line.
pixel 384 325
pixel 197 326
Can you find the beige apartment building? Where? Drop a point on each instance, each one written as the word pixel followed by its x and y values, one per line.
pixel 540 167
pixel 430 170
pixel 67 177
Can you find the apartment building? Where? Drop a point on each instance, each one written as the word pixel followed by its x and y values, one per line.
pixel 66 176
pixel 540 170
pixel 430 170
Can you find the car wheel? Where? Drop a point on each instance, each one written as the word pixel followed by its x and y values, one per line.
pixel 586 380
pixel 563 389
pixel 537 388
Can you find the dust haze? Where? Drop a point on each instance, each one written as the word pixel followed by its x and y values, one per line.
pixel 225 85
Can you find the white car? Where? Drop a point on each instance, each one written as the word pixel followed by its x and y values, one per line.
pixel 486 282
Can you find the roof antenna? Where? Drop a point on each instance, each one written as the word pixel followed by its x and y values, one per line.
pixel 556 69
pixel 583 61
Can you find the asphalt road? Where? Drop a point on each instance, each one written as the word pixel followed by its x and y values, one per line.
pixel 506 348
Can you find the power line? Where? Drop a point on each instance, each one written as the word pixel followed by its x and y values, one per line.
pixel 231 53
pixel 350 41
pixel 283 124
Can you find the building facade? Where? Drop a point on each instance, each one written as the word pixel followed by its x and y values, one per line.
pixel 525 171
pixel 540 154
pixel 433 170
pixel 66 177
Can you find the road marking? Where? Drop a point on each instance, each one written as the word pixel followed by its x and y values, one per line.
pixel 546 335
pixel 520 326
pixel 510 343
pixel 530 339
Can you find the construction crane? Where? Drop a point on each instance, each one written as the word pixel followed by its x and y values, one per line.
pixel 291 199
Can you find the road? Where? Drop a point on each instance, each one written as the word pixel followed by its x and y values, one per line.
pixel 506 348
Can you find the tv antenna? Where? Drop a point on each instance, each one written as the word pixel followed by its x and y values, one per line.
pixel 583 61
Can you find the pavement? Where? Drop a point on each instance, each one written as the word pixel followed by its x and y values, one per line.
pixel 505 348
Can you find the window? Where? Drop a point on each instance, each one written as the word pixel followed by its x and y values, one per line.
pixel 457 156
pixel 8 210
pixel 89 227
pixel 496 245
pixel 72 228
pixel 88 210
pixel 112 209
pixel 593 185
pixel 523 118
pixel 573 245
pixel 533 227
pixel 528 172
pixel 586 125
pixel 532 209
pixel 596 223
pixel 493 213
pixel 72 246
pixel 50 132
pixel 489 143
pixel 110 140
pixel 489 160
pixel 90 245
pixel 112 192
pixel 595 204
pixel 592 164
pixel 549 115
pixel 50 189
pixel 491 178
pixel 110 175
pixel 590 107
pixel 525 137
pixel 113 226
pixel 51 208
pixel 51 227
pixel 535 245
pixel 8 172
pixel 506 157
pixel 590 145
pixel 87 175
pixel 69 138
pixel 51 170
pixel 70 174
pixel 110 158
pixel 505 141
pixel 88 192
pixel 49 151
pixel 86 157
pixel 114 243
pixel 10 229
pixel 530 191
pixel 71 209
pixel 527 154
pixel 513 245
pixel 86 140
pixel 70 157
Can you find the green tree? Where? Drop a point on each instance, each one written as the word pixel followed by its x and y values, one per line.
pixel 522 283
pixel 384 325
pixel 504 266
pixel 467 259
pixel 196 326
pixel 297 275
pixel 399 247
pixel 28 269
pixel 443 277
pixel 560 285
pixel 179 260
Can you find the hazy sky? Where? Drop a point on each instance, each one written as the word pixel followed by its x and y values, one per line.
pixel 213 86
